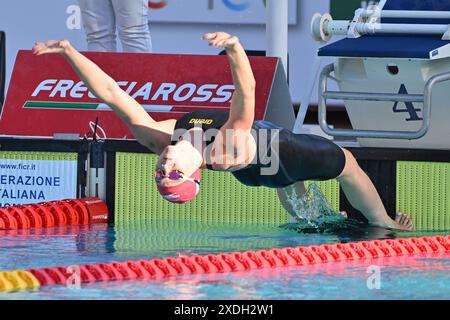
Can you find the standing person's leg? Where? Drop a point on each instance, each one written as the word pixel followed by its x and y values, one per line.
pixel 132 25
pixel 364 197
pixel 99 24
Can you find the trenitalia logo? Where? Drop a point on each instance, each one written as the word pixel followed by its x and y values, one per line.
pixel 164 93
pixel 235 5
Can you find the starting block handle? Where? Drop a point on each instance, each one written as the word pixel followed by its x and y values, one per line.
pixel 426 99
pixel 366 96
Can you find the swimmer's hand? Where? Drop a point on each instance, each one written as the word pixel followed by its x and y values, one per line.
pixel 221 40
pixel 51 46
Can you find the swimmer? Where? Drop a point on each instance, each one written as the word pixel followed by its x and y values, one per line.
pixel 236 142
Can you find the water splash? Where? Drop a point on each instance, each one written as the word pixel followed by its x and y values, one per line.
pixel 314 214
pixel 312 210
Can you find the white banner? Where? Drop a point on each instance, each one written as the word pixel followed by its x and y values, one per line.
pixel 32 181
pixel 214 11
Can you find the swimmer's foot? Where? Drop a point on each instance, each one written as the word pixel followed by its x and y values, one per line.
pixel 401 222
pixel 404 222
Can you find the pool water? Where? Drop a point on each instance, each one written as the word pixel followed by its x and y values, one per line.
pixel 415 277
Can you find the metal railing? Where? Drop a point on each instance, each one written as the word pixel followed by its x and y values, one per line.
pixel 425 99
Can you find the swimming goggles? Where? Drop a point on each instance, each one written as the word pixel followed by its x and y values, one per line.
pixel 174 175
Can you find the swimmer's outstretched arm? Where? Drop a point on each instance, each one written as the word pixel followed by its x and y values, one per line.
pixel 242 110
pixel 154 135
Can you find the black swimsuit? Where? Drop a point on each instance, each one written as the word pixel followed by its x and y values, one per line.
pixel 296 157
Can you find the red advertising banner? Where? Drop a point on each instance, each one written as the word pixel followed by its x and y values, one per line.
pixel 46 97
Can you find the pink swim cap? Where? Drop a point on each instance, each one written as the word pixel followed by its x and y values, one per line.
pixel 183 192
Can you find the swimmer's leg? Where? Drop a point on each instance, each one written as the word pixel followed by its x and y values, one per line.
pixel 363 196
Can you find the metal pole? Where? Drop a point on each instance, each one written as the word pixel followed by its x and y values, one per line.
pixel 277 30
pixel 410 14
pixel 393 28
pixel 340 27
